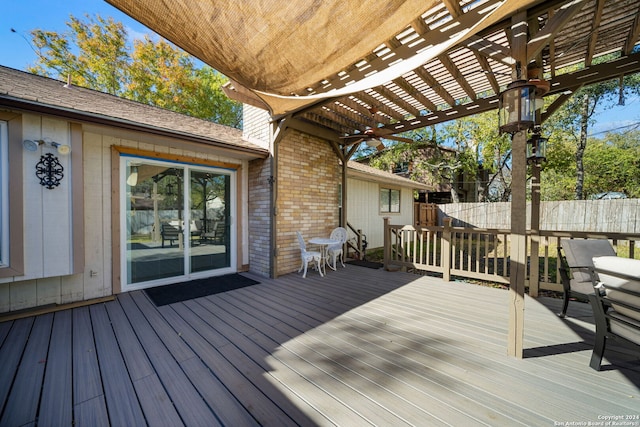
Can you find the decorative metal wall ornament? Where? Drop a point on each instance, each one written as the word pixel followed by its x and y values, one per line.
pixel 49 170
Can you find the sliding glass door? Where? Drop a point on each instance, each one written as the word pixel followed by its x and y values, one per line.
pixel 177 222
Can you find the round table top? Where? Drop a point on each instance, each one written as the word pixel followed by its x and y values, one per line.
pixel 323 241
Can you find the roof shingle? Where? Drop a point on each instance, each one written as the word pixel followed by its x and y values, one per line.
pixel 22 87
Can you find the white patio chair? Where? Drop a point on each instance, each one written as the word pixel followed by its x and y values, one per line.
pixel 308 257
pixel 335 251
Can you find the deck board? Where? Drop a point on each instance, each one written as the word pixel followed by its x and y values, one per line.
pixel 357 347
pixel 56 403
pixel 10 354
pixel 5 327
pixel 87 383
pixel 151 394
pixel 184 396
pixel 118 388
pixel 22 405
pixel 252 399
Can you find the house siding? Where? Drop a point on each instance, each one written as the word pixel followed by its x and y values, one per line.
pixel 49 273
pixel 363 209
pixel 307 197
pixel 48 224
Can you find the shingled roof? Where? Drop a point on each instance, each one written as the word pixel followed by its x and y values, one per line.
pixel 367 172
pixel 31 92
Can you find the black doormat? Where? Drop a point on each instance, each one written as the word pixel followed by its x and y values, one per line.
pixel 168 294
pixel 363 263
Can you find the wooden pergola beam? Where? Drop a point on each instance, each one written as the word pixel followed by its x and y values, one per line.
pixel 554 25
pixel 457 75
pixel 593 38
pixel 435 86
pixel 634 34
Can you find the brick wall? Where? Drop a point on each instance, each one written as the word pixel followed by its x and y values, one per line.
pixel 307 200
pixel 259 216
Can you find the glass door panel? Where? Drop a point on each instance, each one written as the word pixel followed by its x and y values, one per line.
pixel 210 242
pixel 176 222
pixel 154 227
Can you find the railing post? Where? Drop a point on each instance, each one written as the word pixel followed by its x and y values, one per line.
pixel 387 243
pixel 445 252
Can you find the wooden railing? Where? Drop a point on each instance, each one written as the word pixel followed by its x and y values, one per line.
pixel 357 244
pixel 483 254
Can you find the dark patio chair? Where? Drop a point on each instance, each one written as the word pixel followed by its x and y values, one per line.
pixel 169 232
pixel 575 264
pixel 216 234
pixel 616 303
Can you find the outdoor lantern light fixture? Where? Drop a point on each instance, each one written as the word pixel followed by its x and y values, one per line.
pixel 517 107
pixel 536 149
pixel 32 145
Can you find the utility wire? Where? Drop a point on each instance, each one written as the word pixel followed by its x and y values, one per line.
pixel 635 125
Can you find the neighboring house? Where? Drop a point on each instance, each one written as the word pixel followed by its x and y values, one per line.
pixel 101 195
pixel 376 194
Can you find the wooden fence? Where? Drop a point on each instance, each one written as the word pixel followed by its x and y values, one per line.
pixel 607 216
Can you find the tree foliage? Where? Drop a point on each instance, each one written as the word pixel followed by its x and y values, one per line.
pixel 574 119
pixel 613 164
pixel 443 154
pixel 94 53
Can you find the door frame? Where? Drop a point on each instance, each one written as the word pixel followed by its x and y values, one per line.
pixel 119 246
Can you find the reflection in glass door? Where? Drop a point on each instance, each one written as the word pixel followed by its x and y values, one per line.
pixel 210 239
pixel 166 242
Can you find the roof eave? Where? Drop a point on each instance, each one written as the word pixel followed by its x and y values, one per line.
pixel 100 119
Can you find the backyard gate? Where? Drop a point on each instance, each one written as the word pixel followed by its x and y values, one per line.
pixel 425 214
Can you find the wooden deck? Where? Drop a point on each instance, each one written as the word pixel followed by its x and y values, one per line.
pixel 357 347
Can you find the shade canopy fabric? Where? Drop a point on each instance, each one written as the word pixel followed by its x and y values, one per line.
pixel 394 65
pixel 282 50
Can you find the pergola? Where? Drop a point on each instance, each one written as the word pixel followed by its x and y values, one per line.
pixel 351 70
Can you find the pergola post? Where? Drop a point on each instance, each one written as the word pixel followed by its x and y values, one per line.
pixel 518 263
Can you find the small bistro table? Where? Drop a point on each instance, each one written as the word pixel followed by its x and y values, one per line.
pixel 324 243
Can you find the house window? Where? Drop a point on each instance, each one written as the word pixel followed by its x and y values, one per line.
pixel 389 200
pixel 4 195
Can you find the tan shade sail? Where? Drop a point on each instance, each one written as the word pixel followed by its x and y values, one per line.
pixel 292 53
pixel 354 65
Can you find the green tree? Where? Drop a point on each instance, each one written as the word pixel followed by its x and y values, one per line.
pixel 613 164
pixel 94 53
pixel 576 116
pixel 102 57
pixel 440 155
pixel 479 143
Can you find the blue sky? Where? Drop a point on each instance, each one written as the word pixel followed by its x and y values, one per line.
pixel 26 15
pixel 50 15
